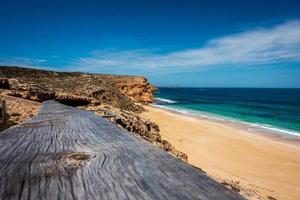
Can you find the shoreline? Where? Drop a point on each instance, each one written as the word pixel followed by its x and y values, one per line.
pixel 260 165
pixel 248 127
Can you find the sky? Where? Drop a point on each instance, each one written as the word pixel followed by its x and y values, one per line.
pixel 189 43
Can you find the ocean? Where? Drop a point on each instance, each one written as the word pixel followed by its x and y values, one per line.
pixel 276 110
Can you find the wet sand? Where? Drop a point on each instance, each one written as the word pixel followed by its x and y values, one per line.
pixel 260 166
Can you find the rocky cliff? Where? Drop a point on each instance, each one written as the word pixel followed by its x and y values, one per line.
pixel 135 87
pixel 76 88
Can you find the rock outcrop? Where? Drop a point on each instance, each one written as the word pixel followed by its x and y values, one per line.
pixel 135 87
pixel 147 130
pixel 75 100
pixel 135 124
pixel 39 85
pixel 18 110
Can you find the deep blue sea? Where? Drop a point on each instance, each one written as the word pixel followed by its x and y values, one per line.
pixel 273 109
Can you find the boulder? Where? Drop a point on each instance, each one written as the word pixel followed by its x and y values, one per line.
pixel 4 83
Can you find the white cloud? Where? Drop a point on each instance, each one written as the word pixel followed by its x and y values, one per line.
pixel 280 43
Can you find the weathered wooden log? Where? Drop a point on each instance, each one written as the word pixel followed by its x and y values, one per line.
pixel 67 153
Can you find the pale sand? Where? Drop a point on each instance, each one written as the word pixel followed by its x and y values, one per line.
pixel 257 163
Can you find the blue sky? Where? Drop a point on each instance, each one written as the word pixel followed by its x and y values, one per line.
pixel 186 43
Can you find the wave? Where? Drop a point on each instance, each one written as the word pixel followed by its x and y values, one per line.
pixel 166 100
pixel 251 126
pixel 182 111
pixel 273 129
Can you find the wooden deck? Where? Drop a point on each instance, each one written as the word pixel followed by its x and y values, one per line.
pixel 67 153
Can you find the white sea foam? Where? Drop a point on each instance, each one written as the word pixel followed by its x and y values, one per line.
pixel 166 100
pixel 273 129
pixel 182 111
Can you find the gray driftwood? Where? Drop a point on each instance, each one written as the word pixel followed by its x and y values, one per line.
pixel 67 153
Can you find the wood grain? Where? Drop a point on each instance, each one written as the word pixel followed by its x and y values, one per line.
pixel 67 153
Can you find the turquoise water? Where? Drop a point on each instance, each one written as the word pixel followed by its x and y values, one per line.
pixel 275 109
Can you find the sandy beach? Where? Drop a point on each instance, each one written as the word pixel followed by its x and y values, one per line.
pixel 260 166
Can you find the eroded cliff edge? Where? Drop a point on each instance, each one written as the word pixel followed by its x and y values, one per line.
pixel 24 89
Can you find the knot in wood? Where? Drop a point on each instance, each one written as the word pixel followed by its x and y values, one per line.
pixel 74 159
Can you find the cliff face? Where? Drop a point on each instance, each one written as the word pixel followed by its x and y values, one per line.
pixel 76 88
pixel 135 87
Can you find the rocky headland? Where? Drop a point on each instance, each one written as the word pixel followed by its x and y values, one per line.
pixel 123 97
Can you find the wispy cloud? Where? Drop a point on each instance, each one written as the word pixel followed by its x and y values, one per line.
pixel 20 61
pixel 275 44
pixel 280 43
